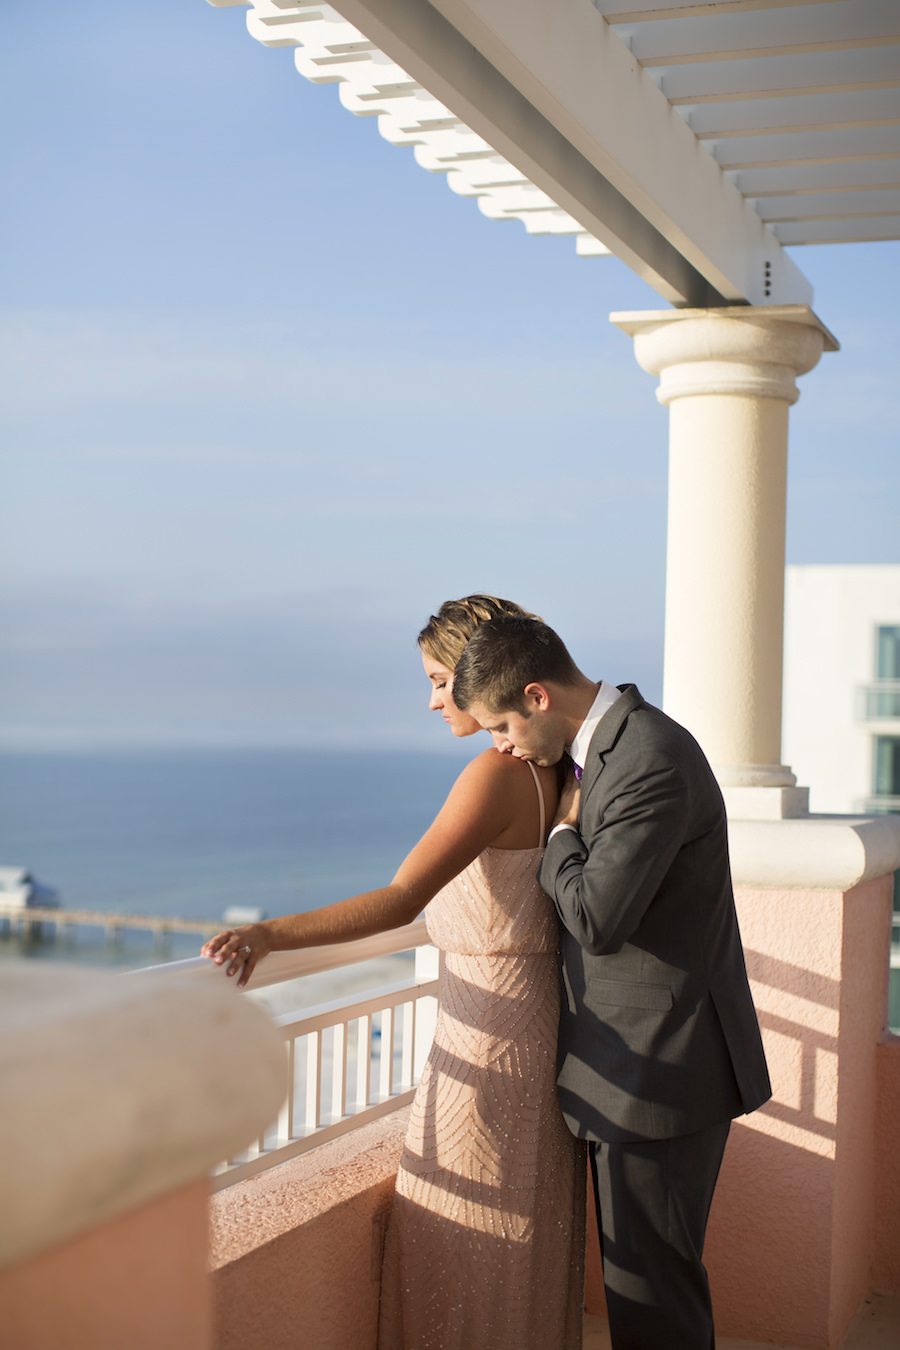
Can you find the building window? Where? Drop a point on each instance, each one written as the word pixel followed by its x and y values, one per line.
pixel 887 767
pixel 888 657
pixel 880 700
pixel 885 702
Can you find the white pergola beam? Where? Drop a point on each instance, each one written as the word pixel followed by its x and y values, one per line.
pixel 809 147
pixel 842 26
pixel 848 231
pixel 554 92
pixel 774 116
pixel 329 49
pixel 543 114
pixel 799 179
pixel 800 73
pixel 647 11
pixel 830 206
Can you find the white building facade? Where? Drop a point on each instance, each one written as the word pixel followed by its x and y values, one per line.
pixel 842 686
pixel 841 708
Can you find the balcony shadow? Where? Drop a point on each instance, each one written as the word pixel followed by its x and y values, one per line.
pixel 772 1226
pixel 802 1047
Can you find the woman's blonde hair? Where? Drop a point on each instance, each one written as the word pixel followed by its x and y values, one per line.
pixel 447 632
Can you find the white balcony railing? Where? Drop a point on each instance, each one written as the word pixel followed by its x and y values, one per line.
pixel 880 805
pixel 347 1062
pixel 878 701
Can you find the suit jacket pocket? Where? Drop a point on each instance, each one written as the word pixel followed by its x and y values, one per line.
pixel 655 997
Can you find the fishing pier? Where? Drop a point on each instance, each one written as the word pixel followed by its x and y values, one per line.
pixel 32 923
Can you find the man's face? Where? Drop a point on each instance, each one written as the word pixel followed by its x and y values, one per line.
pixel 535 734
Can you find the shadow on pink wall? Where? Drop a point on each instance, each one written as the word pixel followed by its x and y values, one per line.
pixel 793 1233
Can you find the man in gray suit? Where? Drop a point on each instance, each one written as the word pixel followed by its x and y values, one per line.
pixel 659 1045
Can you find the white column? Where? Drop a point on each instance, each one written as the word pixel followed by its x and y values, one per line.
pixel 728 377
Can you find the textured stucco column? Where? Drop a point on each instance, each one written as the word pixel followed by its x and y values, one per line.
pixel 728 377
pixel 120 1093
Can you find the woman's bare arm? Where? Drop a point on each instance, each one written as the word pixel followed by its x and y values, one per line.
pixel 482 803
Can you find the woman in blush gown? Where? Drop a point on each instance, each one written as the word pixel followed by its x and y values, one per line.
pixel 485 1244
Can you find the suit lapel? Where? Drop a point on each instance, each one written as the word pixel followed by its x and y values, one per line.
pixel 609 728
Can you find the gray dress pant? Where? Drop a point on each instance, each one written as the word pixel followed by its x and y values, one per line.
pixel 653 1200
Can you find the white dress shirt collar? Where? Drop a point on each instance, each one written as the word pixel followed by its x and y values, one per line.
pixel 606 697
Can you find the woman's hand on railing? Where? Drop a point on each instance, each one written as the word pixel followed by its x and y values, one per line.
pixel 241 947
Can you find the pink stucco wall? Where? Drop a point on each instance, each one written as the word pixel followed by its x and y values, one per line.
pixel 139 1281
pixel 886 1265
pixel 296 1252
pixel 594 1296
pixel 791 1240
pixel 806 1218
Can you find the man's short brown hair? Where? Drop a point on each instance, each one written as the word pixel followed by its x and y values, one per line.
pixel 504 656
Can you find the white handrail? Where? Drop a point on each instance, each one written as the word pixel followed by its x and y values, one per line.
pixel 280 966
pixel 347 1062
pixel 323 1074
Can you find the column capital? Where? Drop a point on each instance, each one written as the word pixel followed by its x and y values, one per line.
pixel 745 350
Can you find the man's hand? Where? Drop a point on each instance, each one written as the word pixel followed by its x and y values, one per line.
pixel 569 800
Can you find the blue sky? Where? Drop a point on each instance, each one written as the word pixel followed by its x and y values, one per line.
pixel 271 392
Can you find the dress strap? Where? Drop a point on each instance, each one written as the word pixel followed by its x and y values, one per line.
pixel 537 784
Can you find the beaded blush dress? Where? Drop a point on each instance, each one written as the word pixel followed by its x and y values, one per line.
pixel 485 1244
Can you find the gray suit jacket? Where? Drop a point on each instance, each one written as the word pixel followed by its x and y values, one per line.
pixel 658 1033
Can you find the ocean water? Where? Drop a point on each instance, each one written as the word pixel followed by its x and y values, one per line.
pixel 189 833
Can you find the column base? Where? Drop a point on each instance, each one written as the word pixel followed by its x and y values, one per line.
pixel 766 803
pixel 754 775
